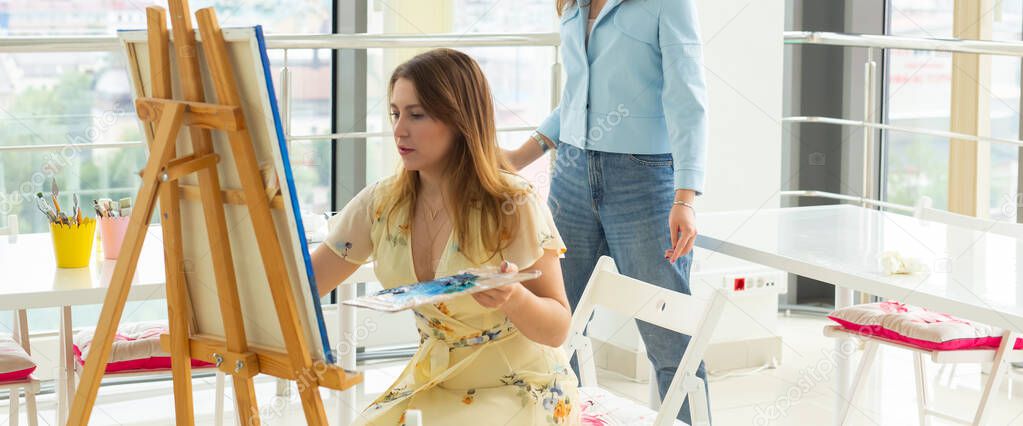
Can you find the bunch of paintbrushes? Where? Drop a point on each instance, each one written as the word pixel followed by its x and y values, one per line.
pixel 106 207
pixel 53 211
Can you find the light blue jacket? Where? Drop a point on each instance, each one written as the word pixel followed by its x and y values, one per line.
pixel 638 88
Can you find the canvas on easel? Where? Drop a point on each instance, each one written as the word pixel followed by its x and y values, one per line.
pixel 246 47
pixel 240 287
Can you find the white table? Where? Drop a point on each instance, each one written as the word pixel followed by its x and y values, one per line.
pixel 972 274
pixel 31 280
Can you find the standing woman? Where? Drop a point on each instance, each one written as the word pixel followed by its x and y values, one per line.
pixel 631 136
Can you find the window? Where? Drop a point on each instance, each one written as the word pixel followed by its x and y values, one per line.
pixel 1005 113
pixel 309 113
pixel 85 98
pixel 919 95
pixel 519 76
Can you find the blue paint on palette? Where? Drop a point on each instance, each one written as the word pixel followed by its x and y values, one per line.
pixel 446 285
pixel 440 289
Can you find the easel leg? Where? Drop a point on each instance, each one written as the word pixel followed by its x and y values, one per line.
pixel 245 400
pixel 177 311
pixel 120 284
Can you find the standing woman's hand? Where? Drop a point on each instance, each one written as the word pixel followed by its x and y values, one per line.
pixel 682 227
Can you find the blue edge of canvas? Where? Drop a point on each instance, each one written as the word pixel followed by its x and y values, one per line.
pixel 261 41
pixel 304 244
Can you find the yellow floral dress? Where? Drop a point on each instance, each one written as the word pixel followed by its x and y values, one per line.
pixel 473 366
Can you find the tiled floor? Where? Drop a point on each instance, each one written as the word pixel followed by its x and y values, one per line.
pixel 799 392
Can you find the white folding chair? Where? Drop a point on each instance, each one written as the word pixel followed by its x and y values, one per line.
pixel 659 306
pixel 998 358
pixel 29 385
pixel 926 211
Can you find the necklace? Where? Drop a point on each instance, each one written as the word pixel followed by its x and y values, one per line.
pixel 431 258
pixel 433 234
pixel 434 212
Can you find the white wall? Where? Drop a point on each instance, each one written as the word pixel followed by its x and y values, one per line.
pixel 744 60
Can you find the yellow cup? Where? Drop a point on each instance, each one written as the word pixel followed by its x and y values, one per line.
pixel 72 245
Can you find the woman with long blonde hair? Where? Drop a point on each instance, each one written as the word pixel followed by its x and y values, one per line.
pixel 492 357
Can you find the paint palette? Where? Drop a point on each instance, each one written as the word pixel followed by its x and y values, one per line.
pixel 438 290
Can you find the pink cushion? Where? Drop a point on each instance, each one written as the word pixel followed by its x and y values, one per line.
pixel 919 327
pixel 17 376
pixel 15 363
pixel 136 347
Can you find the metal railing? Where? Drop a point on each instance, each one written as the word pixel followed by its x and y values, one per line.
pixel 875 45
pixel 950 45
pixel 843 197
pixel 298 42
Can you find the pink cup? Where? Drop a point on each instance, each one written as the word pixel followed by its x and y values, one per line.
pixel 111 233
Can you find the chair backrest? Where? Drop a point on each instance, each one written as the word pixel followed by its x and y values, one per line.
pixel 926 212
pixel 656 305
pixel 11 230
pixel 20 332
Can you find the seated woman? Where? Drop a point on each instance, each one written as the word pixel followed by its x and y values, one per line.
pixel 488 358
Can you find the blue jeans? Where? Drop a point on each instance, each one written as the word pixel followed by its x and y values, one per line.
pixel 618 205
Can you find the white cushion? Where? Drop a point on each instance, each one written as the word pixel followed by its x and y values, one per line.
pixel 15 364
pixel 601 407
pixel 133 341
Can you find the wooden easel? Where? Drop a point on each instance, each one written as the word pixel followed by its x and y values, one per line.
pixel 165 117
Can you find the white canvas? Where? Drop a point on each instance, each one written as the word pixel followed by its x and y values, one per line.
pixel 248 57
